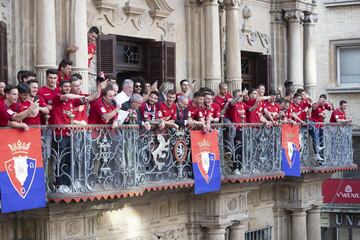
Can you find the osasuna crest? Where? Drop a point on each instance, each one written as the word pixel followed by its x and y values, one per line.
pixel 206 162
pixel 21 169
pixel 290 149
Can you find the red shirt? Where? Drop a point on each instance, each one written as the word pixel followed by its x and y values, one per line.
pixel 221 101
pixel 213 111
pixel 91 52
pixel 300 111
pixel 196 113
pixel 5 114
pixel 337 114
pixel 22 106
pixel 48 94
pixel 273 109
pixel 168 113
pixel 80 113
pixel 254 116
pixel 98 109
pixel 318 114
pixel 237 112
pixel 59 79
pixel 62 110
pixel 305 103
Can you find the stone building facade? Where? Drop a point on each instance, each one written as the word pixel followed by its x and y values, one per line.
pixel 241 42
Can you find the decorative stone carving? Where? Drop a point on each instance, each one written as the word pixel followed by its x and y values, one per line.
pixel 264 39
pixel 251 37
pixel 106 5
pixel 178 234
pixel 72 227
pixel 310 18
pixel 246 12
pixel 294 15
pixel 168 29
pixel 5 11
pixel 230 3
pixel 164 208
pixel 277 16
pixel 159 8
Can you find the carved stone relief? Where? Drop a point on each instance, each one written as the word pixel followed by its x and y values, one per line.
pixel 145 16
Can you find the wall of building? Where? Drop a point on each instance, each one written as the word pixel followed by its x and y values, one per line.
pixel 336 23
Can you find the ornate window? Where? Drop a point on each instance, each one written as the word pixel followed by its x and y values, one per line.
pixel 129 54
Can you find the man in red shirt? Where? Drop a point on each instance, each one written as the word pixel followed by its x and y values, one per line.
pixel 255 113
pixel 27 96
pixel 168 109
pixel 93 34
pixel 223 97
pixel 64 71
pixel 212 110
pixel 339 114
pixel 261 90
pixel 299 112
pixel 318 115
pixel 49 91
pixel 237 110
pixel 197 109
pixel 8 117
pixel 186 88
pixel 271 108
pixel 103 110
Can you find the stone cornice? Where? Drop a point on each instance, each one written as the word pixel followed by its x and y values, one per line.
pixel 232 3
pixel 294 15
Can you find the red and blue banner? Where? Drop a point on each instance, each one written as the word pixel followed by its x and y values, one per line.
pixel 205 161
pixel 22 183
pixel 290 150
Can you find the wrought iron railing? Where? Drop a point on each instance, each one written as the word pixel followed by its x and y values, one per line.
pixel 333 149
pixel 99 159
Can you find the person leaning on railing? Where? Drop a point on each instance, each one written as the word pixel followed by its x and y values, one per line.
pixel 339 114
pixel 133 107
pixel 9 117
pixel 318 114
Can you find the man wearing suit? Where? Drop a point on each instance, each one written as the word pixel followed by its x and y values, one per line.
pixel 135 116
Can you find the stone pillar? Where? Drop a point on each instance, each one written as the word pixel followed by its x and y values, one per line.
pixel 295 53
pixel 313 224
pixel 237 231
pixel 278 49
pixel 298 225
pixel 216 231
pixel 233 53
pixel 78 37
pixel 212 44
pixel 310 53
pixel 45 38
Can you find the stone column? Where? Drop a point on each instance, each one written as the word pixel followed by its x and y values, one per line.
pixel 237 231
pixel 212 44
pixel 295 53
pixel 278 48
pixel 298 225
pixel 233 53
pixel 45 38
pixel 78 37
pixel 310 53
pixel 313 224
pixel 216 233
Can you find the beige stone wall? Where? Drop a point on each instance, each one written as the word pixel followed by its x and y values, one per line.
pixel 335 23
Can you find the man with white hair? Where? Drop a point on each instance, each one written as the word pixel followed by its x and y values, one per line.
pixel 125 94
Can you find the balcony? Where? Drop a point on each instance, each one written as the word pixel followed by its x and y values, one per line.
pixel 99 162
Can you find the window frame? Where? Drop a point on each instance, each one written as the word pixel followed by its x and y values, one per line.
pixel 338 76
pixel 335 86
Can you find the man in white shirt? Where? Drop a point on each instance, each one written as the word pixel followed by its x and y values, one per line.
pixel 125 94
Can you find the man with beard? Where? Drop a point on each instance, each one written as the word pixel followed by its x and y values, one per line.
pixel 339 114
pixel 150 110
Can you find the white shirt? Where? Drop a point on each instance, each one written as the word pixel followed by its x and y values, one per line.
pixel 121 97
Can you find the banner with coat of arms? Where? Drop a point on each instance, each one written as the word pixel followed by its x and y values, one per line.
pixel 290 150
pixel 22 183
pixel 205 161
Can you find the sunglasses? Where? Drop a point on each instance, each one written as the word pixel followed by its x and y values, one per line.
pixel 138 86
